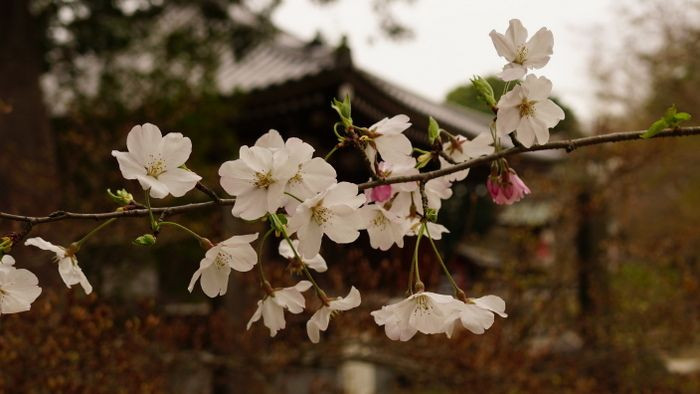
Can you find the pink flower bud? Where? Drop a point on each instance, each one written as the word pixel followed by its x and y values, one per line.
pixel 379 193
pixel 506 188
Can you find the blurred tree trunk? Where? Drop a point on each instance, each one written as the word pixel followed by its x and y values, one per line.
pixel 593 291
pixel 27 156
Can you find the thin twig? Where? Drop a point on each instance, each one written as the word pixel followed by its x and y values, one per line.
pixel 568 145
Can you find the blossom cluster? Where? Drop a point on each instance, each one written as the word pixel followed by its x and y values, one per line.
pixel 280 183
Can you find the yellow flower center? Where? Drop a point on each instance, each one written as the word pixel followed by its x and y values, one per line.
pixel 521 56
pixel 527 108
pixel 320 214
pixel 263 181
pixel 222 259
pixel 155 166
pixel 379 221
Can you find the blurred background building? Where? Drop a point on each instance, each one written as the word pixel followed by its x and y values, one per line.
pixel 599 266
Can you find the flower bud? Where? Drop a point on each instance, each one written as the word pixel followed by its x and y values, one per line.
pixel 145 240
pixel 379 193
pixel 432 215
pixel 121 197
pixel 485 91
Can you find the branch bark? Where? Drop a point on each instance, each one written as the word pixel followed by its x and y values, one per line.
pixel 568 145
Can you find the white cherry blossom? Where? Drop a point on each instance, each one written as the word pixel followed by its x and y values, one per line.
pixel 436 190
pixel 389 140
pixel 18 287
pixel 271 308
pixel 520 54
pixel 68 267
pixel 424 312
pixel 257 179
pixel 434 229
pixel 528 110
pixel 316 263
pixel 214 269
pixel 313 175
pixel 156 160
pixel 385 228
pixel 476 315
pixel 332 212
pixel 320 319
pixel 460 148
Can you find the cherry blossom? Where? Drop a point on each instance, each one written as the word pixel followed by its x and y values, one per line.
pixel 156 161
pixel 316 263
pixel 424 312
pixel 313 175
pixel 385 228
pixel 18 287
pixel 379 193
pixel 331 212
pixel 214 269
pixel 257 179
pixel 271 308
pixel 68 267
pixel 320 319
pixel 522 55
pixel 507 187
pixel 528 110
pixel 460 148
pixel 387 137
pixel 434 229
pixel 477 314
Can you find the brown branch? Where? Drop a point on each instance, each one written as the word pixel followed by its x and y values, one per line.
pixel 568 145
pixel 62 215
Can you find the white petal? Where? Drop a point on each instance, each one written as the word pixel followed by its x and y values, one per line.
pixel 507 120
pixel 250 205
pixel 504 47
pixel 512 72
pixel 352 300
pixel 273 316
pixel 128 165
pixel 236 177
pixel 310 239
pixel 214 280
pixel 395 149
pixel 179 181
pixel 394 125
pixel 516 33
pixel 492 303
pixel 549 112
pixel 539 48
pixel 176 149
pixel 143 142
pixel 271 140
pixel 243 257
pixel 45 245
pixel 537 88
pixel 531 125
pixel 157 188
pixel 256 316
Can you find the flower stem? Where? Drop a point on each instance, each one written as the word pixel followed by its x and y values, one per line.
pixel 414 264
pixel 263 279
pixel 329 154
pixel 206 244
pixel 294 197
pixel 154 225
pixel 319 292
pixel 82 240
pixel 456 288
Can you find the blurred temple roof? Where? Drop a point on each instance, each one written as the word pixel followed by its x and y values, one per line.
pixel 285 72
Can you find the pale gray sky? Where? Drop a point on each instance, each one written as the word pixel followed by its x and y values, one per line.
pixel 452 41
